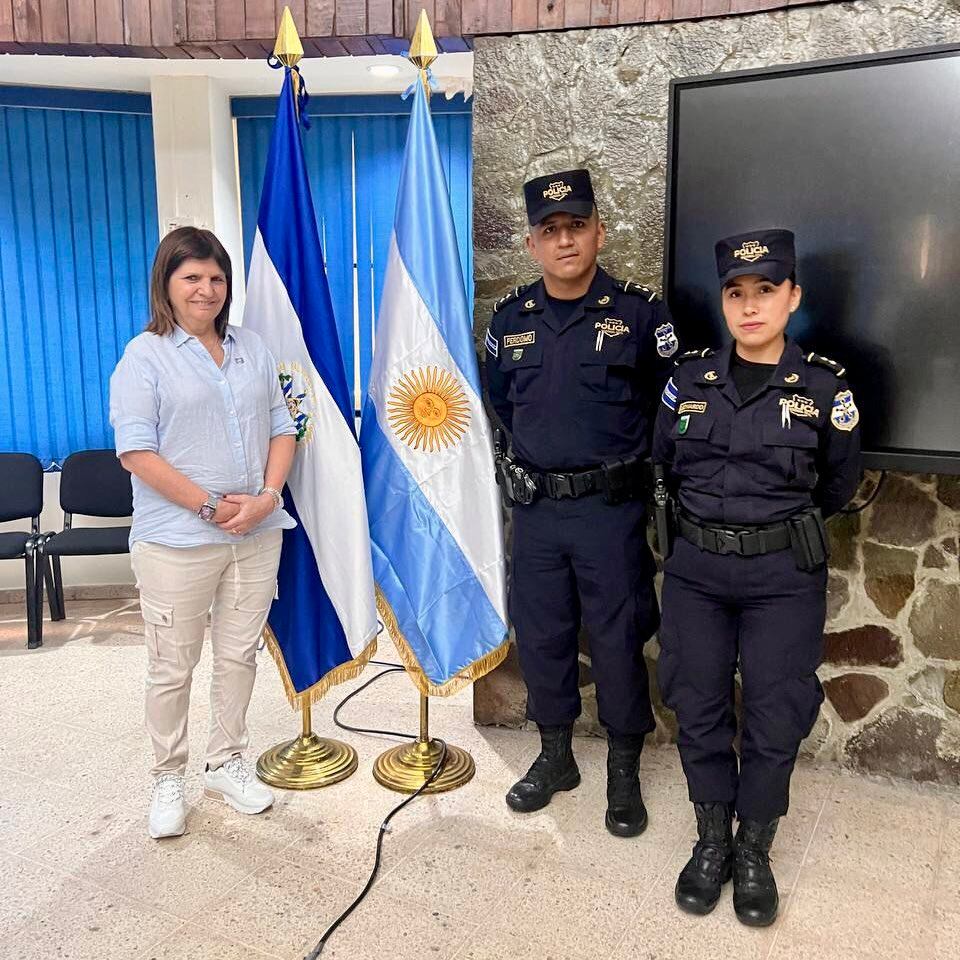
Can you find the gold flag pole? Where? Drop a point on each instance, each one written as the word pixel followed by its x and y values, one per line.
pixel 308 761
pixel 407 767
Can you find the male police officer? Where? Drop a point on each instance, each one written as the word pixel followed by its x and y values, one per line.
pixel 575 366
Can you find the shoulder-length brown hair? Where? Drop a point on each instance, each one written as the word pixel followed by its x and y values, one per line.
pixel 185 243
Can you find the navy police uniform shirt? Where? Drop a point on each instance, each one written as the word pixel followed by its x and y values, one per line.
pixel 793 445
pixel 577 391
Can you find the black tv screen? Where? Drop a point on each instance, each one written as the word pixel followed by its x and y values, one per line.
pixel 861 159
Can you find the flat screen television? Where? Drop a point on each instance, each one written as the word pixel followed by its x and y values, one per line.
pixel 861 159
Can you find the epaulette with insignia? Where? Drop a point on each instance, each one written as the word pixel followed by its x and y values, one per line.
pixel 637 289
pixel 826 362
pixel 693 355
pixel 508 298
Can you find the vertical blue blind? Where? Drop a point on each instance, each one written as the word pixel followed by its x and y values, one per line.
pixel 354 150
pixel 78 227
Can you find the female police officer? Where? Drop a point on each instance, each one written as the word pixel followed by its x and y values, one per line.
pixel 761 442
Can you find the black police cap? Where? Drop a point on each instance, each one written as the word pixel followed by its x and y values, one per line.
pixel 568 192
pixel 767 253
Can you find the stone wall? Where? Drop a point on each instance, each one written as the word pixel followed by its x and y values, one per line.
pixel 599 98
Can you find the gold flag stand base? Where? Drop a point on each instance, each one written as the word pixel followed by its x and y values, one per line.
pixel 307 762
pixel 407 767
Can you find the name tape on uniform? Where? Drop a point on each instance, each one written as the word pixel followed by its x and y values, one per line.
pixel 520 339
pixel 692 406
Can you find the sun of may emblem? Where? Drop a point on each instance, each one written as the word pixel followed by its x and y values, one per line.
pixel 428 409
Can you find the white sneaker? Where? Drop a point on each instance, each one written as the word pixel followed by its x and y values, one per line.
pixel 168 809
pixel 235 783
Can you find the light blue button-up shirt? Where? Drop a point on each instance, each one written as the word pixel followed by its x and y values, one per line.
pixel 213 424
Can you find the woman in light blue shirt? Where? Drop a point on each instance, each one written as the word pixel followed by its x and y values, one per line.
pixel 201 424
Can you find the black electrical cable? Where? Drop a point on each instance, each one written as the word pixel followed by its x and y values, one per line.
pixel 866 503
pixel 385 826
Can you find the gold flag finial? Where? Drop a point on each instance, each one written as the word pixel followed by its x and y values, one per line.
pixel 288 48
pixel 423 49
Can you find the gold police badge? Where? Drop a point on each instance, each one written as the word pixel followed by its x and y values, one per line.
pixel 751 251
pixel 428 408
pixel 557 190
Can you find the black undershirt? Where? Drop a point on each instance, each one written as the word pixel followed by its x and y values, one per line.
pixel 749 377
pixel 563 310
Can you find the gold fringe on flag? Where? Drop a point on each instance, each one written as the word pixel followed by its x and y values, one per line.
pixel 346 671
pixel 475 671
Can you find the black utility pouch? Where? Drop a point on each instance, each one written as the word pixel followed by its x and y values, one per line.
pixel 621 480
pixel 808 540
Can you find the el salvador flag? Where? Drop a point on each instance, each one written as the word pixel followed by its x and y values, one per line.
pixel 427 454
pixel 323 624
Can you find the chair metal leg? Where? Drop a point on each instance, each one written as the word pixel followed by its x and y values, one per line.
pixel 58 585
pixel 30 583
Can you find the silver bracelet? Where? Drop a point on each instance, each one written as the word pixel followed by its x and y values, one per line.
pixel 275 495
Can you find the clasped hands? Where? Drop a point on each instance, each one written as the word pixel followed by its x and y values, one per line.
pixel 239 513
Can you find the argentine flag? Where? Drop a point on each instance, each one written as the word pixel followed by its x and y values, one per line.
pixel 427 454
pixel 323 624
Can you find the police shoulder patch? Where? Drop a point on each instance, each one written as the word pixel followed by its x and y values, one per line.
pixel 636 289
pixel 844 414
pixel 831 365
pixel 693 355
pixel 492 344
pixel 514 294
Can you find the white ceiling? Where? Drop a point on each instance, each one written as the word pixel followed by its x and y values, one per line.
pixel 239 78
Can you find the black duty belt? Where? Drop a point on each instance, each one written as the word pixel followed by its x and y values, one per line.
pixel 560 486
pixel 745 541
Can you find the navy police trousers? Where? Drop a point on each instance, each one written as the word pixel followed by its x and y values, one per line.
pixel 586 561
pixel 766 617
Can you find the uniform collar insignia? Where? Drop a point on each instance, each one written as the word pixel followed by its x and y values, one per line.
pixel 533 299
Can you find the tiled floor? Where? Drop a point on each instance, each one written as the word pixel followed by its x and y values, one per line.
pixel 867 870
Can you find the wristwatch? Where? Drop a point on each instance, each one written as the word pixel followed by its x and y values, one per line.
pixel 208 508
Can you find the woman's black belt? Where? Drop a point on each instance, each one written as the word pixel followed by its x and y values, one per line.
pixel 746 541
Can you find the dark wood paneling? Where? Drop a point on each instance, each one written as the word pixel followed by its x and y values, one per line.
pixel 221 27
pixel 7 34
pixel 550 14
pixel 320 14
pixel 162 22
pixel 54 23
pixel 351 18
pixel 447 22
pixel 230 20
pixel 658 10
pixel 200 51
pixel 26 21
pixel 201 20
pixel 380 16
pixel 357 46
pixel 136 23
pixel 687 9
pixel 109 22
pixel 473 15
pixel 259 19
pixel 576 13
pixel 603 12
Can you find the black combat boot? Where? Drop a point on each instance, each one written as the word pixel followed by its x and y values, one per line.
pixel 555 769
pixel 700 881
pixel 755 898
pixel 626 814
